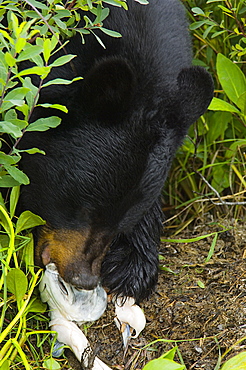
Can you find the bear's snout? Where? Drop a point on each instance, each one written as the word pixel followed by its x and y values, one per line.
pixel 77 255
pixel 84 281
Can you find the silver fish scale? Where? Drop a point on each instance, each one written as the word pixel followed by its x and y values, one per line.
pixel 64 299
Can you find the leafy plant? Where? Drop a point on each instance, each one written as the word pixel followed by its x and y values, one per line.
pixel 219 26
pixel 31 33
pixel 164 362
pixel 15 285
pixel 235 363
pixel 233 82
pixel 208 175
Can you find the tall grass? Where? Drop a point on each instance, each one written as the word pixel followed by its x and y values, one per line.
pixel 209 172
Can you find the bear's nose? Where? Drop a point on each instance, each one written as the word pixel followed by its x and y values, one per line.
pixel 85 281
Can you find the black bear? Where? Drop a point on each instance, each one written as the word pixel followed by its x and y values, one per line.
pixel 99 184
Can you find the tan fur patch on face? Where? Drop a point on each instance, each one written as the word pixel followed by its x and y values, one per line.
pixel 61 246
pixel 77 254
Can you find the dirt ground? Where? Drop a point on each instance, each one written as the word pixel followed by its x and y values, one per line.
pixel 200 306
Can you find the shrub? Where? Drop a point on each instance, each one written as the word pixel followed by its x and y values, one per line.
pixel 29 31
pixel 208 174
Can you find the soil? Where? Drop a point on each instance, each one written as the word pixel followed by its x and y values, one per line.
pixel 198 306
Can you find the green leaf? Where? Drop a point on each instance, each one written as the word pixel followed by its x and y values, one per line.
pixel 17 283
pixel 8 159
pixel 170 354
pixel 11 115
pixel 221 105
pixel 211 249
pixel 237 362
pixel 43 124
pixel 14 97
pixel 163 364
pixel 33 91
pixel 167 269
pixel 9 59
pixel 100 13
pixel 89 4
pixel 5 365
pixel 216 34
pixel 217 126
pixel 20 44
pixel 13 127
pixel 241 103
pixel 2 202
pixel 30 151
pixel 29 52
pixel 25 28
pixel 98 40
pixel 191 240
pixel 7 181
pixel 47 49
pixel 82 31
pixel 36 305
pixel 59 23
pixel 224 8
pixel 196 25
pixel 14 197
pixel 17 174
pixel 28 220
pixel 208 30
pixel 51 364
pixel 14 24
pixel 3 65
pixel 7 36
pixel 221 178
pixel 110 32
pixel 116 3
pixel 28 254
pixel 54 106
pixel 9 104
pixel 62 60
pixel 61 81
pixel 200 284
pixel 198 11
pixel 234 147
pixel 232 79
pixel 38 4
pixel 19 123
pixel 24 109
pixel 62 13
pixel 36 70
pixel 38 60
pixel 18 93
pixel 54 41
pixel 5 222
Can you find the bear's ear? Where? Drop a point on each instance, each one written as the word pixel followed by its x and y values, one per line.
pixel 195 91
pixel 108 89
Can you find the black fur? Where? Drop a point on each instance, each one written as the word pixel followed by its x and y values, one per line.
pixel 106 164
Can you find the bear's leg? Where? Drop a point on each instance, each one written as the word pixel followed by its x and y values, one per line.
pixel 130 267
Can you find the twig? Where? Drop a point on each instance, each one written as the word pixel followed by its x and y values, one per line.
pixel 44 20
pixel 222 202
pixel 203 201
